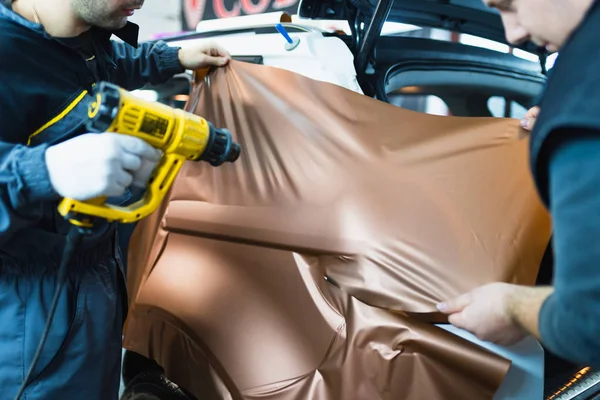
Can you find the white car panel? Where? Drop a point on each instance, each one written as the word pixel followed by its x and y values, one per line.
pixel 326 59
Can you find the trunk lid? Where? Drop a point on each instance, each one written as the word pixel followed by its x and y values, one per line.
pixel 464 16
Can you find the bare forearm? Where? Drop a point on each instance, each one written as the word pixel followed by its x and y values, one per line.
pixel 524 307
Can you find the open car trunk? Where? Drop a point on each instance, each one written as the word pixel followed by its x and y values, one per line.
pixel 463 16
pixel 366 19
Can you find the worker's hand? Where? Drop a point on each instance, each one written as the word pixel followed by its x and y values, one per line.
pixel 96 165
pixel 485 312
pixel 142 175
pixel 529 119
pixel 203 55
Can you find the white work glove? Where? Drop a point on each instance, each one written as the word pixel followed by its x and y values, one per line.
pixel 141 176
pixel 95 165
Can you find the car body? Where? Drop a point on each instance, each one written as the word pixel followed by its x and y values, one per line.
pixel 415 72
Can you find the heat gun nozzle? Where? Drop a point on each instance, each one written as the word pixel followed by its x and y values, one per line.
pixel 234 152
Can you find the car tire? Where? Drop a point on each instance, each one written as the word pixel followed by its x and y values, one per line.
pixel 135 364
pixel 144 379
pixel 154 386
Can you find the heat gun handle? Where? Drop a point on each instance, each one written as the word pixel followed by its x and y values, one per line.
pixel 82 212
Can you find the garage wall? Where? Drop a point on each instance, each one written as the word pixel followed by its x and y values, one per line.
pixel 158 16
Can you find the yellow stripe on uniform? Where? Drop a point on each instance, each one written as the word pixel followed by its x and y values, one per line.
pixel 60 116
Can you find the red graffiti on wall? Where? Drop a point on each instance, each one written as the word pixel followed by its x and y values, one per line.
pixel 196 11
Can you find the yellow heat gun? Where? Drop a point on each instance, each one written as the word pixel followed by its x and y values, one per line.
pixel 180 135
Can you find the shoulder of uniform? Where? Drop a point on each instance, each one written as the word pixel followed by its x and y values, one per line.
pixel 15 38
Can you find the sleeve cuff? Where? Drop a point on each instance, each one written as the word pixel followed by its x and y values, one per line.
pixel 548 325
pixel 169 60
pixel 544 317
pixel 31 167
pixel 567 333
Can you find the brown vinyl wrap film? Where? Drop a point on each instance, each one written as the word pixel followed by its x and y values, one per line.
pixel 398 209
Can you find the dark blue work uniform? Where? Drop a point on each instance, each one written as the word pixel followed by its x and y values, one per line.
pixel 565 161
pixel 44 92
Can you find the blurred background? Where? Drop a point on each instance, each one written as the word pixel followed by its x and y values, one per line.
pixel 157 17
pixel 166 17
pixel 162 18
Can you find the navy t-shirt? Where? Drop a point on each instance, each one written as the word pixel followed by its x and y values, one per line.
pixel 84 45
pixel 565 161
pixel 569 321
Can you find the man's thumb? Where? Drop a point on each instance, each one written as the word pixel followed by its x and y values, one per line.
pixel 215 61
pixel 455 305
pixel 457 320
pixel 527 123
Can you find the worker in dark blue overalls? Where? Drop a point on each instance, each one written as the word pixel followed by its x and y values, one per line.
pixel 51 53
pixel 565 163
